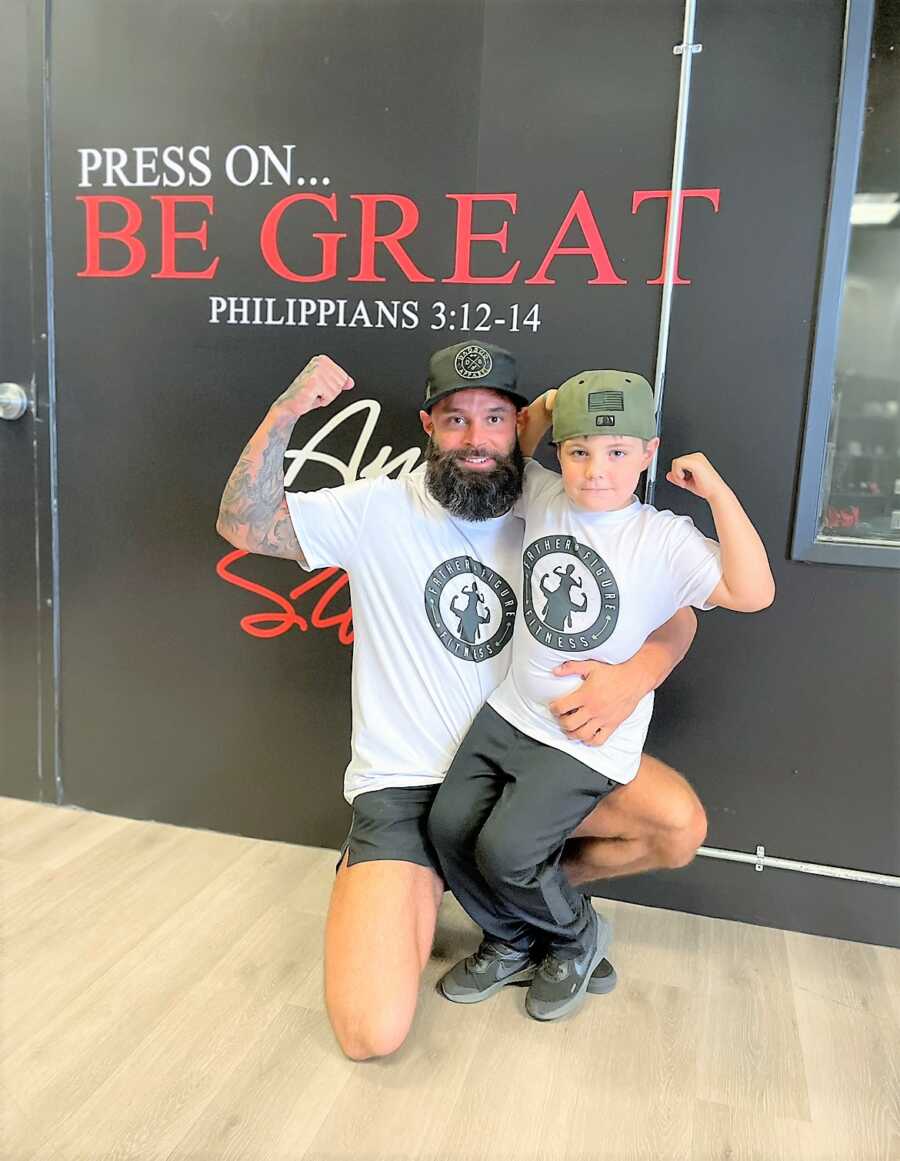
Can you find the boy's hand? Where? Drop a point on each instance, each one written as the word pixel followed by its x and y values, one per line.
pixel 533 421
pixel 696 475
pixel 320 381
pixel 547 401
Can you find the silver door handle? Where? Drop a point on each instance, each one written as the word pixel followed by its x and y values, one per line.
pixel 13 401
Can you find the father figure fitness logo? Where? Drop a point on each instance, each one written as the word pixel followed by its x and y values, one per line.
pixel 571 599
pixel 471 608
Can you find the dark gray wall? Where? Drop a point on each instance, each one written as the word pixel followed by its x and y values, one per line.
pixel 169 710
pixel 786 721
pixel 26 758
pixel 783 721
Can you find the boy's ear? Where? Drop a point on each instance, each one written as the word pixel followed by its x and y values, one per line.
pixel 652 445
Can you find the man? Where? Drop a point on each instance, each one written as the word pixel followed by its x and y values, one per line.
pixel 412 547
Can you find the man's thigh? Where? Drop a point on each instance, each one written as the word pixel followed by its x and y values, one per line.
pixel 658 799
pixel 378 937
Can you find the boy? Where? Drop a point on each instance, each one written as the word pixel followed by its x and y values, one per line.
pixel 600 572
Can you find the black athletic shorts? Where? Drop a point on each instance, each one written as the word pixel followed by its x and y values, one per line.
pixel 391 824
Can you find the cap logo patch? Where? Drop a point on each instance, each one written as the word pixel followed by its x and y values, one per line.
pixel 605 421
pixel 606 401
pixel 473 362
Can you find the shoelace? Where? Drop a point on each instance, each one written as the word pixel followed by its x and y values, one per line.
pixel 485 955
pixel 554 969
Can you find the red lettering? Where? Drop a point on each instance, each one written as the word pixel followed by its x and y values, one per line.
pixel 342 620
pixel 465 237
pixel 645 195
pixel 369 238
pixel 137 252
pixel 169 235
pixel 273 624
pixel 280 622
pixel 268 239
pixel 580 210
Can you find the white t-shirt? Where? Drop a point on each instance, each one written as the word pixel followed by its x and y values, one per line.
pixel 594 586
pixel 434 604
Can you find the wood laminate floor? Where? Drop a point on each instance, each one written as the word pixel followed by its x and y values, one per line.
pixel 161 1000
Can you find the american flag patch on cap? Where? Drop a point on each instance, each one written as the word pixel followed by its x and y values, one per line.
pixel 606 401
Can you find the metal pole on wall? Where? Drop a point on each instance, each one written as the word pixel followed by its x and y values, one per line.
pixel 760 860
pixel 686 51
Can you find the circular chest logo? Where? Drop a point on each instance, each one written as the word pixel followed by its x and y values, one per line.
pixel 570 598
pixel 473 362
pixel 471 608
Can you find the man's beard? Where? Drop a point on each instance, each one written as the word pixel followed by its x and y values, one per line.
pixel 469 493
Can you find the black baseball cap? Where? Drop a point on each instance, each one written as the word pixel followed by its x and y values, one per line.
pixel 470 364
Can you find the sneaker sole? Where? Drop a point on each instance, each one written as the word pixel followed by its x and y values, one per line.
pixel 524 976
pixel 603 985
pixel 575 1002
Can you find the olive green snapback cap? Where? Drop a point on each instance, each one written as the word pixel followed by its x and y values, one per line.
pixel 604 403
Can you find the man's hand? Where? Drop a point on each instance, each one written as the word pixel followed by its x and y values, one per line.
pixel 320 382
pixel 253 514
pixel 610 693
pixel 607 696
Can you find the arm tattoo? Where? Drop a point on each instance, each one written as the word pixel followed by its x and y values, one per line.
pixel 254 508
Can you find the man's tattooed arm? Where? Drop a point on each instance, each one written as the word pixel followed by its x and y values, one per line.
pixel 253 514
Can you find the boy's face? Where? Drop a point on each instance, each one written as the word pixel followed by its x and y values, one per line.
pixel 600 472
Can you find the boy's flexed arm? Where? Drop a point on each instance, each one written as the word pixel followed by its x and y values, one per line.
pixel 253 514
pixel 747 584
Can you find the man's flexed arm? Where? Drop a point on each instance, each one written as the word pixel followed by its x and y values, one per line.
pixel 253 514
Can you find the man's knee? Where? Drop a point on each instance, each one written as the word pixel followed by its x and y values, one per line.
pixel 370 1036
pixel 381 916
pixel 677 845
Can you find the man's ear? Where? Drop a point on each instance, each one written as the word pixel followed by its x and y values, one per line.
pixel 521 420
pixel 427 422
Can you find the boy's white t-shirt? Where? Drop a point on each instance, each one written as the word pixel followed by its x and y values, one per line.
pixel 434 603
pixel 594 586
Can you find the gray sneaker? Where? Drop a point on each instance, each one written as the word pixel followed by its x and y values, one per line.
pixel 490 968
pixel 561 982
pixel 603 980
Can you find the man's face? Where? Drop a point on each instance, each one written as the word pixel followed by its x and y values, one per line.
pixel 474 463
pixel 474 422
